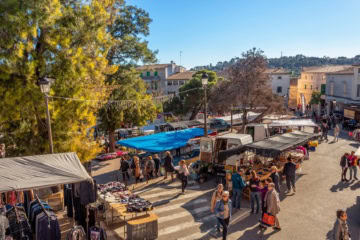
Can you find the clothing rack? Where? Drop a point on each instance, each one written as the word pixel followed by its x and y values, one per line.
pixel 43 208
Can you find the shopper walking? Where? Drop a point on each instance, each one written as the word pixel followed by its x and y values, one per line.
pixel 149 168
pixel 336 132
pixel 254 192
pixel 341 229
pixel 217 196
pixel 238 185
pixel 290 173
pixel 275 178
pixel 169 166
pixel 272 202
pixel 223 210
pixel 344 163
pixel 184 174
pixel 353 163
pixel 324 130
pixel 263 189
pixel 157 165
pixel 124 167
pixel 137 170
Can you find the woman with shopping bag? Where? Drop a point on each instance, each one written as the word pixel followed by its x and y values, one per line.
pixel 223 210
pixel 272 203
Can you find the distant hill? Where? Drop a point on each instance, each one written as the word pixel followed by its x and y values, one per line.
pixel 293 63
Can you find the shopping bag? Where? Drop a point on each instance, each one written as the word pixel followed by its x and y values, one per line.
pixel 268 219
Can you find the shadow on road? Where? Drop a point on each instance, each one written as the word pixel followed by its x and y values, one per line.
pixel 353 221
pixel 340 186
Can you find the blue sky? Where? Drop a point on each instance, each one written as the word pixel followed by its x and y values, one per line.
pixel 208 31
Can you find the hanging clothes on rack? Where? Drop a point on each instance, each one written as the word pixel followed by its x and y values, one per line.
pixel 97 233
pixel 76 233
pixel 68 200
pixel 19 225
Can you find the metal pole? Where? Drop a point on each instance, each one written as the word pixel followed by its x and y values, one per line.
pixel 231 114
pixel 49 123
pixel 205 113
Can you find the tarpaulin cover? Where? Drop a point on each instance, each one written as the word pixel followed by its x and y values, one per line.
pixel 283 142
pixel 41 171
pixel 164 141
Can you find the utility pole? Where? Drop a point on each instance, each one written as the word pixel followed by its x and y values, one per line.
pixel 49 124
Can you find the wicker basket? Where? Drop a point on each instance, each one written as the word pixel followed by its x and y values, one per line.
pixel 145 227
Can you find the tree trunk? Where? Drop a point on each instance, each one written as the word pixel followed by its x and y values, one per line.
pixel 112 140
pixel 195 112
pixel 244 119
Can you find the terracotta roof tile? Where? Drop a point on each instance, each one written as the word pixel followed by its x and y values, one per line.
pixel 153 66
pixel 325 69
pixel 277 71
pixel 182 76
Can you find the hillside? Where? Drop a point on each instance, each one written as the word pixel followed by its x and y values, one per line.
pixel 293 63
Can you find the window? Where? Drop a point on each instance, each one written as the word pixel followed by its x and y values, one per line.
pixel 305 77
pixel 176 83
pixel 279 77
pixel 310 87
pixel 141 75
pixel 279 89
pixel 358 90
pixel 181 83
pixel 305 86
pixel 148 74
pixel 155 74
pixel 169 83
pixel 358 70
pixel 312 76
pixel 345 88
pixel 331 88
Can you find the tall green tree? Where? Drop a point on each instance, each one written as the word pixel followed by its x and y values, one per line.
pixel 128 26
pixel 191 98
pixel 66 40
pixel 128 105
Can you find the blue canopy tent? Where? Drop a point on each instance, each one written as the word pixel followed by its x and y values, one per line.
pixel 164 141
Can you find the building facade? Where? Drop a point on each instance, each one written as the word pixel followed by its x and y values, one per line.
pixel 164 79
pixel 343 91
pixel 314 79
pixel 280 81
pixel 293 93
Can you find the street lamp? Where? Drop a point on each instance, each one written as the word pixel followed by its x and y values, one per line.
pixel 45 89
pixel 204 81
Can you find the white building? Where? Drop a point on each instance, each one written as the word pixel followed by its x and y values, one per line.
pixel 164 78
pixel 343 91
pixel 280 81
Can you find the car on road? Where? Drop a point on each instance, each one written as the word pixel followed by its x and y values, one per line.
pixel 219 125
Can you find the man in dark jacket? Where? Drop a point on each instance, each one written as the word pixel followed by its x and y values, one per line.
pixel 290 172
pixel 124 166
pixel 238 186
pixel 344 166
pixel 169 166
pixel 276 178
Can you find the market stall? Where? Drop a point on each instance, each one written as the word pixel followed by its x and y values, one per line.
pixel 274 151
pixel 121 205
pixel 22 180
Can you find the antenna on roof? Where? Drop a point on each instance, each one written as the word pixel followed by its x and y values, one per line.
pixel 180 57
pixel 281 54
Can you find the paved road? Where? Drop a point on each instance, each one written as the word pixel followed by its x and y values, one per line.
pixel 308 215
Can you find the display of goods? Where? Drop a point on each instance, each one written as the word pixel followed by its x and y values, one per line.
pixel 111 187
pixel 139 205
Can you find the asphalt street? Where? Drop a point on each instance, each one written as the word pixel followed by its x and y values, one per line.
pixel 307 215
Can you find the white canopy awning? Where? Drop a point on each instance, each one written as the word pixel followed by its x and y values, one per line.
pixel 41 171
pixel 293 123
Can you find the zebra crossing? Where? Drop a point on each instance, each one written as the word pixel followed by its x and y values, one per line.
pixel 183 217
